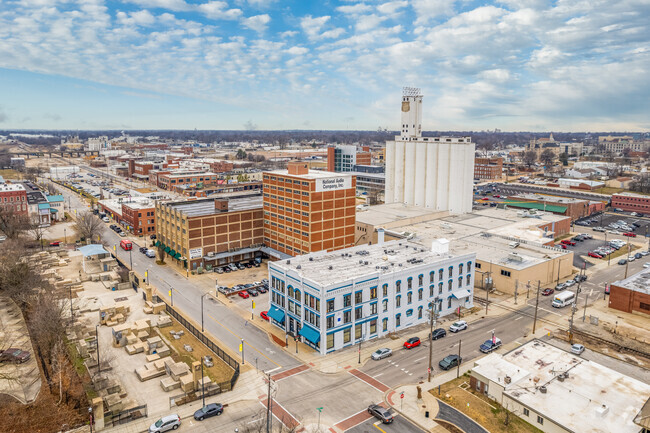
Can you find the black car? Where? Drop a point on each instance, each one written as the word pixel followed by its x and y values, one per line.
pixel 381 413
pixel 262 289
pixel 450 361
pixel 212 409
pixel 143 249
pixel 252 292
pixel 437 333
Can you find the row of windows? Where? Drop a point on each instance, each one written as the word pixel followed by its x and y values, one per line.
pixel 12 199
pixel 285 180
pixel 347 333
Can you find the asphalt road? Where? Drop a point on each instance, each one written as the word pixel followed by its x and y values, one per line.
pixel 399 425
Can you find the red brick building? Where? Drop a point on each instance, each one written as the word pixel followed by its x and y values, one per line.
pixel 631 202
pixel 488 168
pixel 137 215
pixel 14 197
pixel 307 210
pixel 631 295
pixel 221 166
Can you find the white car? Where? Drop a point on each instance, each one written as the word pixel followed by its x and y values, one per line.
pixel 458 326
pixel 151 254
pixel 381 354
pixel 166 423
pixel 646 265
pixel 106 220
pixel 577 349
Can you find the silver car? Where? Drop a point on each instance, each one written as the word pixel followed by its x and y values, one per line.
pixel 166 423
pixel 577 349
pixel 381 354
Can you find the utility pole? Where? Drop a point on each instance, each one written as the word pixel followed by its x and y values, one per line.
pixel 268 405
pixel 574 307
pixel 99 370
pixel 536 306
pixel 202 296
pixel 487 291
pixel 627 262
pixel 584 313
pixel 242 352
pixel 432 318
pixel 460 342
pixel 202 384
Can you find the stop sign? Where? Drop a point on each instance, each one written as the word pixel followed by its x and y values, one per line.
pixel 401 395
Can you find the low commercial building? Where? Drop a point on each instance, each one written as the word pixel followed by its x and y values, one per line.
pixel 343 158
pixel 571 207
pixel 631 202
pixel 136 214
pixel 632 294
pixel 371 185
pixel 334 300
pixel 13 197
pixel 557 391
pixel 514 248
pixel 587 185
pixel 196 233
pixel 195 178
pixel 488 168
pixel 63 172
pixel 37 205
pixel 57 204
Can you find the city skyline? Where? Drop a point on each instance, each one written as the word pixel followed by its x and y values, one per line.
pixel 265 64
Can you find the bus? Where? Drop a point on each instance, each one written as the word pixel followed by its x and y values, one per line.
pixel 563 299
pixel 126 245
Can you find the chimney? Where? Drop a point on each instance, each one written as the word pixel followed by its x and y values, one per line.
pixel 221 204
pixel 298 167
pixel 380 236
pixel 440 246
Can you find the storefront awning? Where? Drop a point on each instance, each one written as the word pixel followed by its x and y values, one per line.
pixel 276 314
pixel 460 295
pixel 167 249
pixel 177 256
pixel 157 243
pixel 172 253
pixel 310 334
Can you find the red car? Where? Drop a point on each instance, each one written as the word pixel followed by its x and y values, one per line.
pixel 630 234
pixel 564 247
pixel 568 242
pixel 547 292
pixel 55 244
pixel 243 294
pixel 264 315
pixel 594 255
pixel 485 198
pixel 412 342
pixel 496 196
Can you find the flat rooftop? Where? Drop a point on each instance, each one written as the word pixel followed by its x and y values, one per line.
pixel 548 198
pixel 591 398
pixel 631 194
pixel 392 256
pixel 189 173
pixel 11 187
pixel 639 282
pixel 391 213
pixel 311 174
pixel 205 207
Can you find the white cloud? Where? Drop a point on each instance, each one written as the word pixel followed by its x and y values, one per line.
pixel 218 10
pixel 368 22
pixel 257 22
pixel 312 26
pixel 355 9
pixel 427 10
pixel 172 5
pixel 139 18
pixel 392 8
pixel 297 51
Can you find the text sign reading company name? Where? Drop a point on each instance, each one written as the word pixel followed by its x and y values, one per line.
pixel 333 183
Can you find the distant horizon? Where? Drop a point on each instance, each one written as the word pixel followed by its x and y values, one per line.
pixel 533 65
pixel 71 130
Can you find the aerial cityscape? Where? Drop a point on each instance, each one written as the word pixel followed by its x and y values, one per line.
pixel 349 217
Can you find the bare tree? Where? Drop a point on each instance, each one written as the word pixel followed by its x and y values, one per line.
pixel 18 276
pixel 547 157
pixel 12 224
pixel 37 230
pixel 529 158
pixel 88 226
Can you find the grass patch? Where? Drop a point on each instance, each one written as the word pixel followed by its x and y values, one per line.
pixel 9 173
pixel 220 372
pixel 608 190
pixel 488 413
pixel 623 252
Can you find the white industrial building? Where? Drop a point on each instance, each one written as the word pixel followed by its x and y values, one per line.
pixel 62 172
pixel 431 172
pixel 99 143
pixel 334 300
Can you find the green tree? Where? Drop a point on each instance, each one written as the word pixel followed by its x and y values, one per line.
pixel 564 158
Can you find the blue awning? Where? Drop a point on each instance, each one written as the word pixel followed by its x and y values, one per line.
pixel 310 334
pixel 276 314
pixel 92 250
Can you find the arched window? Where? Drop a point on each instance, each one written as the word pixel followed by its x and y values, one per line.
pixel 431 289
pixel 409 297
pixel 440 274
pixel 384 290
pixel 468 279
pixel 290 291
pixel 398 286
pixel 451 271
pixel 420 294
pixel 384 305
pixel 450 285
pixel 297 295
pixel 460 282
pixel 460 268
pixel 469 266
pixel 409 282
pixel 431 276
pixel 420 279
pixel 419 312
pixel 398 301
pixel 440 288
pixel 449 303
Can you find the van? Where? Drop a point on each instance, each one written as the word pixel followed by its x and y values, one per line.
pixel 126 245
pixel 563 299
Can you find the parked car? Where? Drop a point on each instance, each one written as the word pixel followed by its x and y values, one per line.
pixel 218 270
pixel 622 261
pixel 568 242
pixel 15 355
pixel 564 247
pixel 233 267
pixel 450 361
pixel 380 413
pixel 569 283
pixel 381 354
pixel 106 220
pixel 412 342
pixel 631 258
pixel 252 292
pixel 638 255
pixel 122 233
pixel 458 326
pixel 490 345
pixel 241 266
pixel 151 254
pixel 212 409
pixel 646 265
pixel 207 361
pixel 166 423
pixel 437 333
pixel 599 229
pixel 243 294
pixel 143 249
pixel 560 286
pixel 594 255
pixel 577 349
pixel 55 244
pixel 629 234
pixel 548 292
pixel 265 315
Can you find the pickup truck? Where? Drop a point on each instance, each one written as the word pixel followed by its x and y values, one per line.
pixel 489 345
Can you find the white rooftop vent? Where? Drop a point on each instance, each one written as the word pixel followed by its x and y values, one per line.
pixel 515 257
pixel 440 246
pixel 602 410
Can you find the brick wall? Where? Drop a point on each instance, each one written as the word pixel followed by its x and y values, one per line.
pixel 629 301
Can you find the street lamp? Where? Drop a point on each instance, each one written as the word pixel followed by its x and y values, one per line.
pixel 202 296
pixel 65 237
pixel 99 370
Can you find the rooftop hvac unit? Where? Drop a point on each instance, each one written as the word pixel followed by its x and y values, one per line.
pixel 543 389
pixel 311 259
pixel 507 379
pixel 330 267
pixel 288 262
pixel 515 257
pixel 298 267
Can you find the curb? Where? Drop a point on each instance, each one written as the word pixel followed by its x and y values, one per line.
pixel 409 419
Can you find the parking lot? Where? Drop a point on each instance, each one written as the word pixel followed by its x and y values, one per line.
pixel 606 219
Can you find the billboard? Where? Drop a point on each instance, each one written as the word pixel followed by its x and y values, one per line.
pixel 196 253
pixel 333 183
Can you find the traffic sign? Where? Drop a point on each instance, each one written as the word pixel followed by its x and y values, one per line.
pixel 320 409
pixel 401 395
pixel 429 370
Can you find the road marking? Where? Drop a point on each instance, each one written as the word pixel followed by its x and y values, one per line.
pixel 406 371
pixel 275 369
pixel 245 342
pixel 552 312
pixel 377 375
pixel 519 318
pixel 402 369
pixel 255 420
pixel 396 365
pixel 420 359
pixel 379 428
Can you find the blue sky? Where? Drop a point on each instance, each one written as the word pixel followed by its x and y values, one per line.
pixel 562 65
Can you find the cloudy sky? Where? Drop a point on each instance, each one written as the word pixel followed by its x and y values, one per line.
pixel 563 65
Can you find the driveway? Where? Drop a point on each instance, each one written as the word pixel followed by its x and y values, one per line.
pixel 459 419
